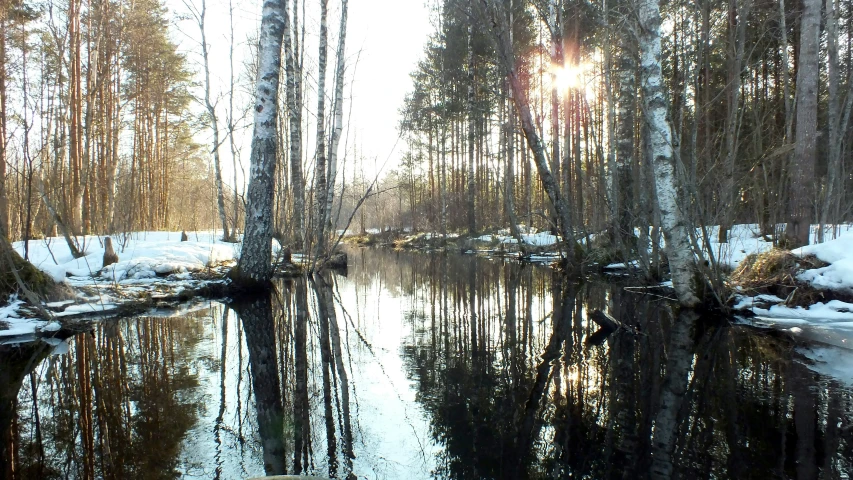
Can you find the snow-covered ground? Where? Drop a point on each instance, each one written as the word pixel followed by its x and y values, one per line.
pixel 837 276
pixel 155 264
pixel 141 255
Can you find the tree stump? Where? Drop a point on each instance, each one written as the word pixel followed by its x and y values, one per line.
pixel 338 260
pixel 110 256
pixel 184 236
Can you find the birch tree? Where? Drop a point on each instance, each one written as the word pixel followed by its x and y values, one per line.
pixel 294 114
pixel 255 265
pixel 338 112
pixel 320 192
pixel 675 226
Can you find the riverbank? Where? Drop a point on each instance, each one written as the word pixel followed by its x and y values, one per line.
pixel 155 270
pixel 812 283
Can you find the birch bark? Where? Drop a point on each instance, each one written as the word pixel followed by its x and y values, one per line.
pixel 338 111
pixel 256 255
pixel 675 228
pixel 320 195
pixel 294 110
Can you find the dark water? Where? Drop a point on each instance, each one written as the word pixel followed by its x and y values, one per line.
pixel 417 366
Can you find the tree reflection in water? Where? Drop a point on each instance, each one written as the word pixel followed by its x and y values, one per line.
pixel 420 366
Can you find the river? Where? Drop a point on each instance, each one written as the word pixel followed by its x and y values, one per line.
pixel 423 366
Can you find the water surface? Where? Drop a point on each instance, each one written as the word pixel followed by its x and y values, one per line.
pixel 423 366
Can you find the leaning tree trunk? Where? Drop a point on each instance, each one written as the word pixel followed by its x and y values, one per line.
pixel 805 138
pixel 678 246
pixel 255 265
pixel 493 14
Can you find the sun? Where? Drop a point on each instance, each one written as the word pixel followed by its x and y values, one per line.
pixel 568 77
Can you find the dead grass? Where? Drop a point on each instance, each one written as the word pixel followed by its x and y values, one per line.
pixel 775 272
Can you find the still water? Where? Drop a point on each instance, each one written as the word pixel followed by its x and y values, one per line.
pixel 420 366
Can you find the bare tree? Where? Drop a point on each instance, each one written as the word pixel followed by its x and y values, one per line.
pixel 739 8
pixel 294 111
pixel 213 121
pixel 338 112
pixel 493 14
pixel 805 147
pixel 321 180
pixel 675 226
pixel 255 265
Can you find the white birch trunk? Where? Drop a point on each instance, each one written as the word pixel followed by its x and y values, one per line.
pixel 678 246
pixel 294 108
pixel 338 111
pixel 255 265
pixel 320 193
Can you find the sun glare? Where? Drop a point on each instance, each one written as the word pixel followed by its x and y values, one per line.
pixel 568 77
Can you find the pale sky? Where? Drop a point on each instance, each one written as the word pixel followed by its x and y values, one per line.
pixel 385 40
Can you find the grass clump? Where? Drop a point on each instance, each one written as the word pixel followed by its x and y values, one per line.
pixel 774 267
pixel 775 272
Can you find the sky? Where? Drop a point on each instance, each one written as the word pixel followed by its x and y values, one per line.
pixel 385 40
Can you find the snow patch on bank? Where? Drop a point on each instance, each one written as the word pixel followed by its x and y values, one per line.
pixel 150 263
pixel 141 255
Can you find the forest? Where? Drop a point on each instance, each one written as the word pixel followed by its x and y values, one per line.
pixel 611 240
pixel 574 117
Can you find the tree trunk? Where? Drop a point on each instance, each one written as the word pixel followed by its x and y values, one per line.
pixel 494 15
pixel 338 112
pixel 802 171
pixel 732 123
pixel 255 265
pixel 833 170
pixel 675 227
pixel 294 112
pixel 471 209
pixel 214 126
pixel 625 133
pixel 320 172
pixel 4 201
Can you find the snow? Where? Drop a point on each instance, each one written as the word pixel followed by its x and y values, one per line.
pixel 743 240
pixel 838 276
pixel 835 314
pixel 833 362
pixel 839 254
pixel 141 255
pixel 155 263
